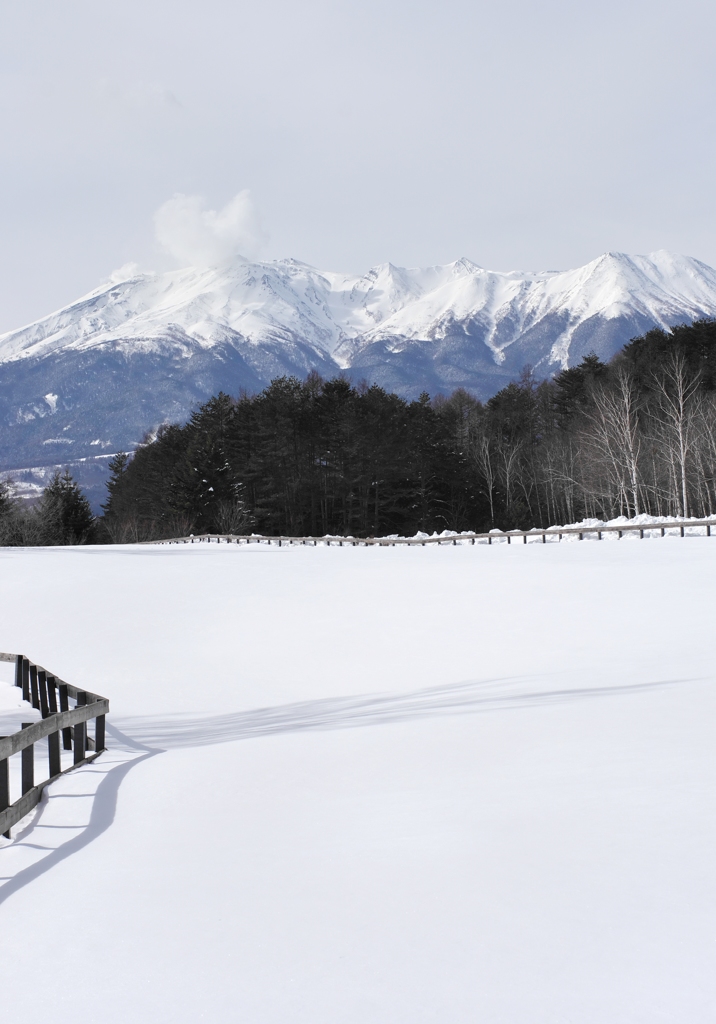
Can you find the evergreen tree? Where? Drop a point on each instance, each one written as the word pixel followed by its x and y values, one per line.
pixel 117 468
pixel 694 343
pixel 64 514
pixel 8 515
pixel 7 503
pixel 572 387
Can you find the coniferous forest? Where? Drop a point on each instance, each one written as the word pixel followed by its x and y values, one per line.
pixel 323 456
pixel 316 457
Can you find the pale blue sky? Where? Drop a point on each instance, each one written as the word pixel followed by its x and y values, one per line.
pixel 530 135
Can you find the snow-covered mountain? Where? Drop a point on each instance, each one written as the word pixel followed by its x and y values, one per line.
pixel 136 352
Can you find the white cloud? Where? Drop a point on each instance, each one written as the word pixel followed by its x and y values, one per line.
pixel 124 273
pixel 199 237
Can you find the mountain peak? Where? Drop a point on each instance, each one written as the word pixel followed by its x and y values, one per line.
pixel 143 348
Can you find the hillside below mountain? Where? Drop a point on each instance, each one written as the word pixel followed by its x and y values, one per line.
pixel 134 353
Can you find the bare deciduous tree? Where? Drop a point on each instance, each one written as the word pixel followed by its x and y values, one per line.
pixel 675 418
pixel 615 437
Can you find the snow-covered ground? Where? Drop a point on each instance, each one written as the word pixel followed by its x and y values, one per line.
pixel 13 709
pixel 386 785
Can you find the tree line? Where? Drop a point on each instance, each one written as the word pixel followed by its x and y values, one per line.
pixel 307 458
pixel 637 434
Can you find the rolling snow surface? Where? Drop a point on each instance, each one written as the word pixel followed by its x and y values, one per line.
pixel 385 785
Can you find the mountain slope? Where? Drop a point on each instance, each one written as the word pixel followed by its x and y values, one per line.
pixel 137 352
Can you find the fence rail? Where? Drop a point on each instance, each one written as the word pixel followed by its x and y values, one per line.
pixel 469 538
pixel 51 696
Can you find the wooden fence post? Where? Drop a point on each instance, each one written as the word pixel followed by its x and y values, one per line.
pixel 4 788
pixel 42 686
pixel 52 694
pixel 53 754
pixel 18 671
pixel 80 729
pixel 28 764
pixel 26 680
pixel 33 688
pixel 65 706
pixel 99 739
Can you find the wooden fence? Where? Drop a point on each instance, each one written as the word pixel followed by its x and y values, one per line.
pixel 51 696
pixel 558 532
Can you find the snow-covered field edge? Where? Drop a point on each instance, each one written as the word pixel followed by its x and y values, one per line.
pixel 652 526
pixel 587 529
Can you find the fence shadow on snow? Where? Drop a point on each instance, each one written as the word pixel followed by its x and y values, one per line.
pixel 138 738
pixel 167 732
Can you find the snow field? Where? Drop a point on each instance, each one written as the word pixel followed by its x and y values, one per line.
pixel 372 784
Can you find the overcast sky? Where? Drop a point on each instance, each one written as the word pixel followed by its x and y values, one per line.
pixel 528 135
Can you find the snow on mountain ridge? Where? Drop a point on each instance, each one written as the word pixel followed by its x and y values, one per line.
pixel 340 314
pixel 146 349
pixel 661 287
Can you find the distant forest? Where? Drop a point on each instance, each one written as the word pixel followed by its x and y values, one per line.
pixel 323 456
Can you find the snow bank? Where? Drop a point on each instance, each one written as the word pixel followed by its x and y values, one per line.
pixel 672 525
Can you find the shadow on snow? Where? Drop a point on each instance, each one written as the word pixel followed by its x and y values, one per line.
pixel 143 737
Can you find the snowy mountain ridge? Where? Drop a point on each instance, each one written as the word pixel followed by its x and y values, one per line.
pixel 341 316
pixel 144 349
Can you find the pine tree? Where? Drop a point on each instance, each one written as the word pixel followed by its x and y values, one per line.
pixel 64 513
pixel 7 503
pixel 117 468
pixel 8 514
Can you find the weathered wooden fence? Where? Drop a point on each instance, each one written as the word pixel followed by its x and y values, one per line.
pixel 51 696
pixel 552 533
